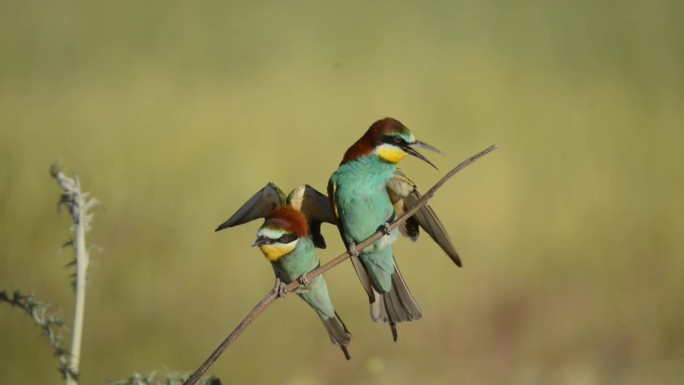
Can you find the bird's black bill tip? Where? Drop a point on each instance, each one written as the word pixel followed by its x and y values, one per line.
pixel 418 155
pixel 260 241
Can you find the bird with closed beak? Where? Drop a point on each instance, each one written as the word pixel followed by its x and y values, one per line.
pixel 284 240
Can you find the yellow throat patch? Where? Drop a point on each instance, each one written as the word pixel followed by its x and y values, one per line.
pixel 276 251
pixel 390 154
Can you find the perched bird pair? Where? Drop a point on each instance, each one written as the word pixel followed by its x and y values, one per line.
pixel 365 194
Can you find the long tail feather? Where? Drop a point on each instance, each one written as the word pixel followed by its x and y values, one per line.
pixel 339 335
pixel 397 305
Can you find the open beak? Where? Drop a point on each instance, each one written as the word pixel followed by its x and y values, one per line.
pixel 260 241
pixel 409 149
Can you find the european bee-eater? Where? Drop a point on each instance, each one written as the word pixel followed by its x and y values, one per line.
pixel 314 205
pixel 284 240
pixel 367 192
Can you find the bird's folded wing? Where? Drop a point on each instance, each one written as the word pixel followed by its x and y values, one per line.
pixel 404 196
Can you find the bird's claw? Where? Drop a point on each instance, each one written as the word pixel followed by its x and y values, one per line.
pixel 303 280
pixel 352 250
pixel 386 228
pixel 280 288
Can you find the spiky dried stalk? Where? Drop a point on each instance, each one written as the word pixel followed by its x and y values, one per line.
pixel 79 204
pixel 172 378
pixel 51 325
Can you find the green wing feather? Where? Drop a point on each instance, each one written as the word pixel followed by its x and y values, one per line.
pixel 358 266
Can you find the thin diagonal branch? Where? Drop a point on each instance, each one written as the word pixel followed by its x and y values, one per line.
pixel 271 296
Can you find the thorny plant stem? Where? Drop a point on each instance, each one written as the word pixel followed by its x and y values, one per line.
pixel 51 325
pixel 272 296
pixel 82 260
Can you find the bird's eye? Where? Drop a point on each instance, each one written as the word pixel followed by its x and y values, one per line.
pixel 287 238
pixel 394 140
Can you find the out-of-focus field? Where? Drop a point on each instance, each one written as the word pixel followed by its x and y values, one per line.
pixel 173 113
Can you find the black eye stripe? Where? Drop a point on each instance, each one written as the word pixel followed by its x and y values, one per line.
pixel 392 139
pixel 286 238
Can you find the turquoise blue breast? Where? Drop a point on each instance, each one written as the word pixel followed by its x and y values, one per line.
pixel 361 197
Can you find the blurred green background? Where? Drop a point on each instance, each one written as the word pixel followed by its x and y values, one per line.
pixel 173 113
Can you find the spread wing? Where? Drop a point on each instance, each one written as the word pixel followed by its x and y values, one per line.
pixel 258 206
pixel 312 203
pixel 404 196
pixel 358 266
pixel 316 207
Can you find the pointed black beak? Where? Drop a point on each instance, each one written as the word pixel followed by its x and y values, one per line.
pixel 260 241
pixel 409 149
